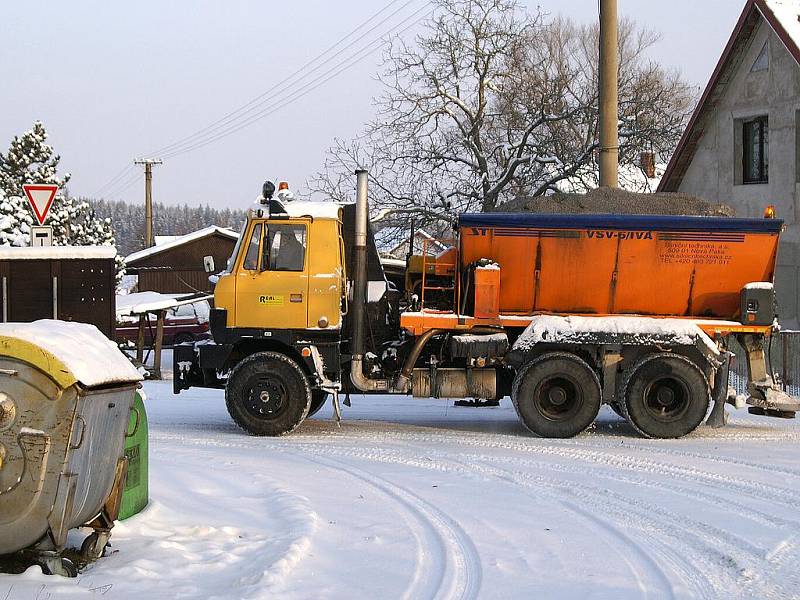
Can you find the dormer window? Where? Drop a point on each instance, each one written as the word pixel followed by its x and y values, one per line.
pixel 762 61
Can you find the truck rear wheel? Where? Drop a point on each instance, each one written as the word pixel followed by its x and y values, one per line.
pixel 666 396
pixel 557 395
pixel 268 394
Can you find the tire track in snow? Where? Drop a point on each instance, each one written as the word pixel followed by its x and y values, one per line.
pixel 456 571
pixel 749 511
pixel 729 569
pixel 650 577
pixel 710 546
pixel 571 450
pixel 448 564
pixel 712 562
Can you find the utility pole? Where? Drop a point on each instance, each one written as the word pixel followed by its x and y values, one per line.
pixel 148 197
pixel 609 95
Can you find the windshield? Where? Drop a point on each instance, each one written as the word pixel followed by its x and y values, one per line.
pixel 235 253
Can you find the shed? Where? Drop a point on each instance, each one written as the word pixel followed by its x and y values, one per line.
pixel 70 283
pixel 176 265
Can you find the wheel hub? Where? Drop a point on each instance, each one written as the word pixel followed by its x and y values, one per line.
pixel 665 396
pixel 667 399
pixel 267 398
pixel 558 398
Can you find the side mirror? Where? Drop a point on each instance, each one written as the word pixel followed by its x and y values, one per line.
pixel 208 264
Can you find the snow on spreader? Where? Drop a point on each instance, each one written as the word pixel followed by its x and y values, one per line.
pixel 66 392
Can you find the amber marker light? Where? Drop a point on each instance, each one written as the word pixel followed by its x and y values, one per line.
pixel 769 212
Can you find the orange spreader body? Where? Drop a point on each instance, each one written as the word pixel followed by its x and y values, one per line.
pixel 610 264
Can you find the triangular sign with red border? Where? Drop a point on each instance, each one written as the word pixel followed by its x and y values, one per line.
pixel 40 197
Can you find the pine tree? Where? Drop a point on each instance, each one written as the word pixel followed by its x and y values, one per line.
pixel 29 160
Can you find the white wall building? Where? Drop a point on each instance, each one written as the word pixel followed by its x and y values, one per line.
pixel 742 145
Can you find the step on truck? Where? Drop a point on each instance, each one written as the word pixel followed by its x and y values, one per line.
pixel 564 313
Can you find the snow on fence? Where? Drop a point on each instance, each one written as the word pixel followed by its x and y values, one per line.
pixel 783 356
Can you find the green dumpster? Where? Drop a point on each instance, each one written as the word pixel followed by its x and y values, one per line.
pixel 135 494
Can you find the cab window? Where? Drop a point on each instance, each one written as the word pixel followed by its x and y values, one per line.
pixel 285 248
pixel 251 258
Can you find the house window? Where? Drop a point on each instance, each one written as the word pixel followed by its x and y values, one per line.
pixel 762 60
pixel 755 146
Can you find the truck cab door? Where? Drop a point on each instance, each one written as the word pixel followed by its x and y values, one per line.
pixel 272 282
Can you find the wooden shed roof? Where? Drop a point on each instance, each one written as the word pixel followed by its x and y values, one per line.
pixel 132 259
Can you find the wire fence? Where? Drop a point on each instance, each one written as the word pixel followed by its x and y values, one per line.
pixel 783 359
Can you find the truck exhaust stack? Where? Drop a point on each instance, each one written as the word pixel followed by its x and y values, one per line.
pixel 360 290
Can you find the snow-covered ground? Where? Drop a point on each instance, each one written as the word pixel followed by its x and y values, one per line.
pixel 420 499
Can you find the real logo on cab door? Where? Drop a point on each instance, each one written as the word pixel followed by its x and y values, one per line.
pixel 270 300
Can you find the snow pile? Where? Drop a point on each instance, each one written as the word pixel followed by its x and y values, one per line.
pixel 91 357
pixel 760 285
pixel 316 210
pixel 635 330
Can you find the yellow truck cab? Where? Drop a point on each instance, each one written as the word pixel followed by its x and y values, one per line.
pixel 279 322
pixel 286 271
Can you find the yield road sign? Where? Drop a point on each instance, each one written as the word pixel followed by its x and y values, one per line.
pixel 40 197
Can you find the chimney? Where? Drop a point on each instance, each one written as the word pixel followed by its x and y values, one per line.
pixel 647 161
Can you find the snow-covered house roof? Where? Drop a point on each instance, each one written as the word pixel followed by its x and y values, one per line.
pixel 164 239
pixel 422 240
pixel 783 16
pixel 632 178
pixel 183 239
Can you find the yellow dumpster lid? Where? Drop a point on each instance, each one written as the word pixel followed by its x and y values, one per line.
pixel 68 352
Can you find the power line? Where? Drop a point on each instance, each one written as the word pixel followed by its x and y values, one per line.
pixel 304 90
pixel 274 99
pixel 123 185
pixel 113 180
pixel 252 104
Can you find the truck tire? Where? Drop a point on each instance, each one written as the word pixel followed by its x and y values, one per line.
pixel 268 394
pixel 318 398
pixel 666 396
pixel 557 395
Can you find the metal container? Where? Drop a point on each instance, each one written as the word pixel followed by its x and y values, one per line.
pixel 136 494
pixel 622 264
pixel 65 398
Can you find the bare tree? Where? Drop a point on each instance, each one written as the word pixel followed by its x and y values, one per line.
pixel 491 103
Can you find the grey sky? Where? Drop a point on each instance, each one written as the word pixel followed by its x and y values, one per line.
pixel 113 81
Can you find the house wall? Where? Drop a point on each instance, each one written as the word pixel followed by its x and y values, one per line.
pixel 715 171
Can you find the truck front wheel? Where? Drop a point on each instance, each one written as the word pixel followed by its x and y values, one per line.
pixel 666 396
pixel 557 395
pixel 268 394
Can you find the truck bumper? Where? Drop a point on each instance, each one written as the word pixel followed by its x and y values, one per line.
pixel 197 364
